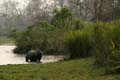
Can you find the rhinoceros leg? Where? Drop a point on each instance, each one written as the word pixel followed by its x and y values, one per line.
pixel 26 60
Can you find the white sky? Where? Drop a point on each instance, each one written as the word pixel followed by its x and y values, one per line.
pixel 21 2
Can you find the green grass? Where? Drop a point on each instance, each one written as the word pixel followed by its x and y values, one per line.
pixel 81 69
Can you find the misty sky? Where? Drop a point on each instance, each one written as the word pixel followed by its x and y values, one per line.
pixel 21 2
pixel 24 2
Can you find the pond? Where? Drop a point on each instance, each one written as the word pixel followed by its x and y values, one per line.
pixel 8 57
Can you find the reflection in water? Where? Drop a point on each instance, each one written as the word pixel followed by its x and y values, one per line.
pixel 8 57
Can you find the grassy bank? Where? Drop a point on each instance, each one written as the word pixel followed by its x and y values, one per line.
pixel 6 40
pixel 81 69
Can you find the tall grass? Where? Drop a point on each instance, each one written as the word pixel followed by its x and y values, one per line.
pixel 79 43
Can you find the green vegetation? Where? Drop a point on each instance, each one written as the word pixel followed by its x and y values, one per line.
pixel 100 38
pixel 43 35
pixel 46 36
pixel 34 37
pixel 103 44
pixel 68 34
pixel 79 43
pixel 6 40
pixel 106 49
pixel 63 19
pixel 81 69
pixel 63 32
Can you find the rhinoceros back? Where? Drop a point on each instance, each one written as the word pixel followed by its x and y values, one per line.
pixel 31 54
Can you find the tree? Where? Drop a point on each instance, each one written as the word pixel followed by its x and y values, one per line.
pixel 38 10
pixel 61 19
pixel 11 14
pixel 96 9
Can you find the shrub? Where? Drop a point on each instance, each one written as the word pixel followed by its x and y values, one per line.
pixel 34 37
pixel 102 43
pixel 116 33
pixel 107 46
pixel 114 62
pixel 114 57
pixel 63 19
pixel 78 43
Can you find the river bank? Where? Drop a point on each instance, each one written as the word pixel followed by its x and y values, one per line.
pixel 81 69
pixel 8 57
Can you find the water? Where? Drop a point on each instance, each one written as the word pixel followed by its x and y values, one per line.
pixel 8 57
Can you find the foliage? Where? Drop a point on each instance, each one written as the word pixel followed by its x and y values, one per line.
pixel 35 37
pixel 79 43
pixel 114 62
pixel 101 39
pixel 81 69
pixel 116 33
pixel 107 49
pixel 46 36
pixel 114 58
pixel 102 43
pixel 82 39
pixel 63 19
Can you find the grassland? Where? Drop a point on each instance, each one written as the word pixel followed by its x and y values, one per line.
pixel 81 69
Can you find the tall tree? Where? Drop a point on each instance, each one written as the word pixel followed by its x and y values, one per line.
pixel 39 10
pixel 11 14
pixel 96 9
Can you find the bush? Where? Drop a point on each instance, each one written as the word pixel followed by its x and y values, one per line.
pixel 114 58
pixel 61 17
pixel 114 62
pixel 65 20
pixel 102 43
pixel 78 43
pixel 34 37
pixel 107 46
pixel 116 33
